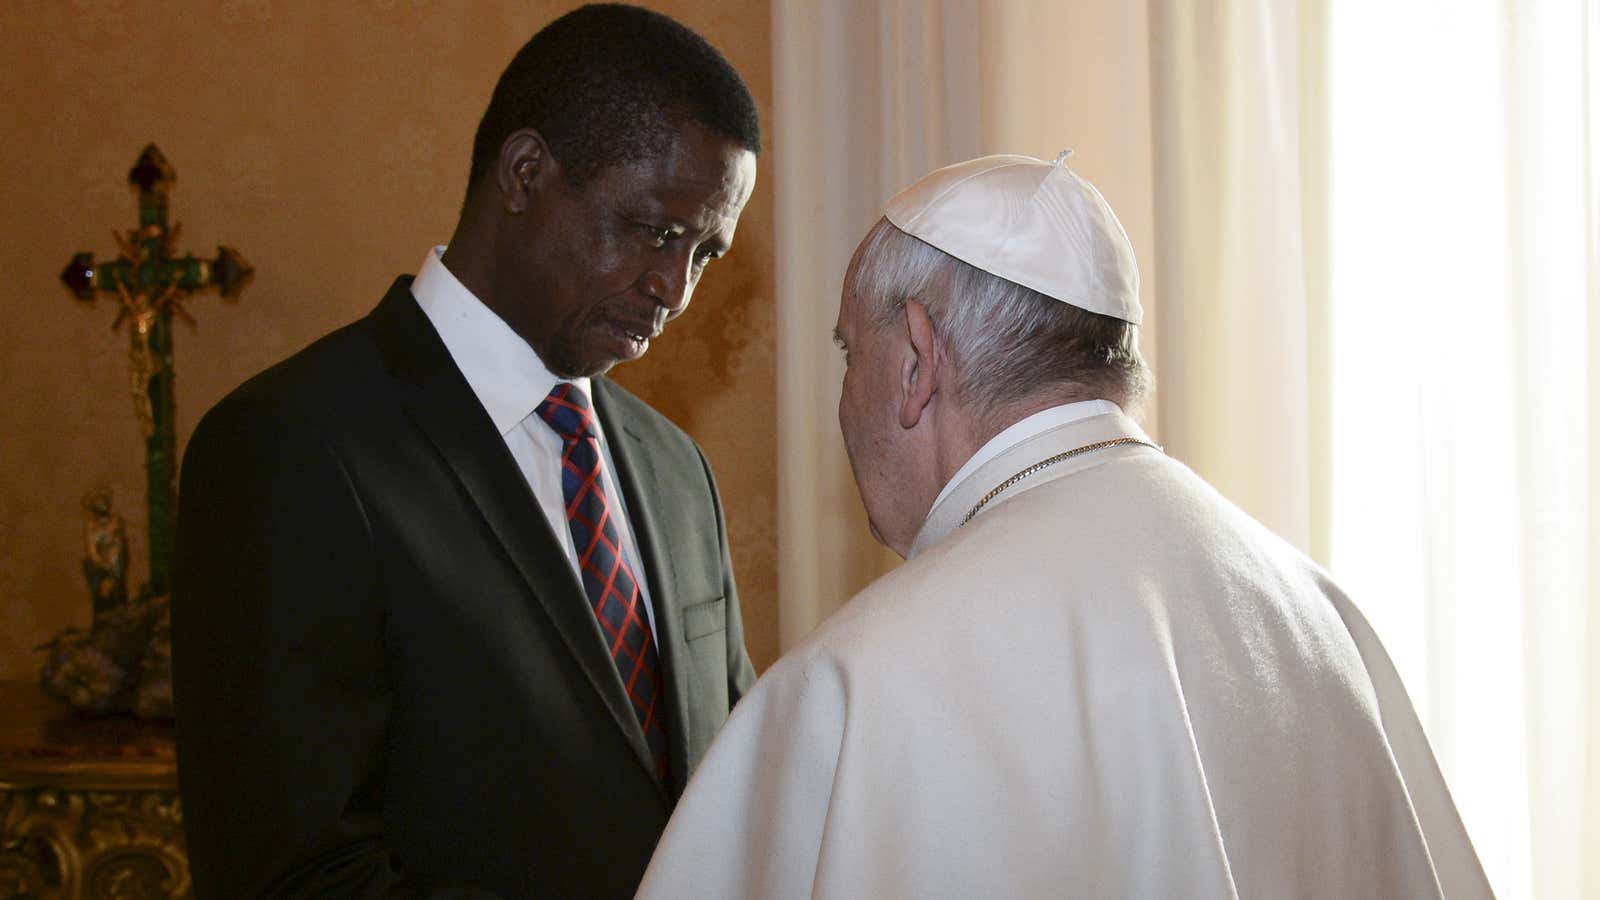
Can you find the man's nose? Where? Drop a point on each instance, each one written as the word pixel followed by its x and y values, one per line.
pixel 671 285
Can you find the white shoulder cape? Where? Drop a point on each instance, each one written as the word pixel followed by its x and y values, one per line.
pixel 1110 683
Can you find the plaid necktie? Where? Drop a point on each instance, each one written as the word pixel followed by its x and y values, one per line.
pixel 607 579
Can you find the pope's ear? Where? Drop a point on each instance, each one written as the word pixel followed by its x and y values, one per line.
pixel 919 373
pixel 523 165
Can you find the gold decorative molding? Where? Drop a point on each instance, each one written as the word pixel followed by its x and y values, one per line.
pixel 115 845
pixel 88 807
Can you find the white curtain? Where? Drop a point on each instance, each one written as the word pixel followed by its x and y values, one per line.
pixel 1240 162
pixel 871 95
pixel 1466 442
pixel 1376 233
pixel 868 96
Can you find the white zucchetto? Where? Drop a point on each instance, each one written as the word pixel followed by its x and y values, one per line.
pixel 1028 221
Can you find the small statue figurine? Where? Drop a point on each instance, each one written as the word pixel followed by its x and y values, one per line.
pixel 124 662
pixel 105 566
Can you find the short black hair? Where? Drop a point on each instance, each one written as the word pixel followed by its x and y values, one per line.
pixel 608 84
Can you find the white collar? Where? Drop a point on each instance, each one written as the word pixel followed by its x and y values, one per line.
pixel 508 377
pixel 1069 433
pixel 1038 423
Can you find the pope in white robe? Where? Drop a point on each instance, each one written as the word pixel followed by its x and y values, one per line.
pixel 1094 676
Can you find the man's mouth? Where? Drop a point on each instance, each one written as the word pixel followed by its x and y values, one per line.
pixel 631 339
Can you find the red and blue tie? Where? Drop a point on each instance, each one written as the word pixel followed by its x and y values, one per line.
pixel 607 579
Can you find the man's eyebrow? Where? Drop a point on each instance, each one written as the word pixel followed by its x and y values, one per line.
pixel 838 339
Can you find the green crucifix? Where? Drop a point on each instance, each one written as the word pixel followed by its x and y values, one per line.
pixel 151 282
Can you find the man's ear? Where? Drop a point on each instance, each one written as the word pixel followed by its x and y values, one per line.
pixel 524 164
pixel 919 374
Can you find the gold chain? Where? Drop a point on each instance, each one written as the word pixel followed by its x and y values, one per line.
pixel 1044 464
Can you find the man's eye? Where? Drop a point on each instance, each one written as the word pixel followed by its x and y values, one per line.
pixel 658 236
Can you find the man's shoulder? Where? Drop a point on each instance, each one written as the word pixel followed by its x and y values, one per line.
pixel 621 408
pixel 335 382
pixel 335 371
pixel 888 618
pixel 1145 527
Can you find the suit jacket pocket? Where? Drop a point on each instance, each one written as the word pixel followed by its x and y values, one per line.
pixel 701 619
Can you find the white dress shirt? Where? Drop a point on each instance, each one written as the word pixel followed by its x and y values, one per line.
pixel 1038 423
pixel 510 380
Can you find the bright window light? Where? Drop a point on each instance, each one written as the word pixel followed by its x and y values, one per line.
pixel 1466 280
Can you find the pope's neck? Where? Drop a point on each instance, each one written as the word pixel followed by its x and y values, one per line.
pixel 962 436
pixel 955 444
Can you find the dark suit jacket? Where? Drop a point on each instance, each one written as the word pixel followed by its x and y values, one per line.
pixel 388 679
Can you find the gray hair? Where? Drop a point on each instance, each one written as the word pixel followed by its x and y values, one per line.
pixel 1006 341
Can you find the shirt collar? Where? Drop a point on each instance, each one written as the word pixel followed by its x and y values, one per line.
pixel 508 377
pixel 1038 423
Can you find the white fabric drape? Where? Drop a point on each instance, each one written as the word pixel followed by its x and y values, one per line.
pixel 1239 196
pixel 1464 416
pixel 1377 232
pixel 868 97
pixel 871 95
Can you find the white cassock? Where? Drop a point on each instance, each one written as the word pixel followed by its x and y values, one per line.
pixel 1110 683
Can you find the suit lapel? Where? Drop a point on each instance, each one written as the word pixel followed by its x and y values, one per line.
pixel 641 483
pixel 443 406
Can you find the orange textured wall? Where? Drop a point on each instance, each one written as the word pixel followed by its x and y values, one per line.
pixel 329 143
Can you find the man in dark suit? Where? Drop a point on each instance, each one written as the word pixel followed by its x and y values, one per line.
pixel 454 614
